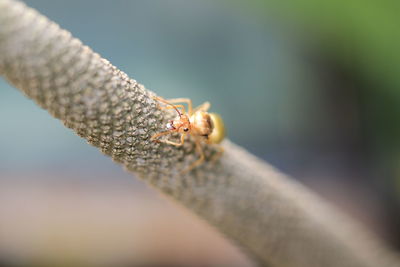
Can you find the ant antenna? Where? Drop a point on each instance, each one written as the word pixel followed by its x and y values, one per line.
pixel 177 110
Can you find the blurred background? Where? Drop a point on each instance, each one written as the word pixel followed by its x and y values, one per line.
pixel 312 87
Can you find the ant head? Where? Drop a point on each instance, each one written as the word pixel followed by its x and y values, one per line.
pixel 181 125
pixel 184 124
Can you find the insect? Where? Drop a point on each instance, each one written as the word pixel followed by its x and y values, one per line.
pixel 203 126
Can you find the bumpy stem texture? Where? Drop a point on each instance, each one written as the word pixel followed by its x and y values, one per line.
pixel 275 220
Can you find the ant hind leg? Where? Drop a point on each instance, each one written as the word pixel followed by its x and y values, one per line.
pixel 218 154
pixel 203 107
pixel 199 161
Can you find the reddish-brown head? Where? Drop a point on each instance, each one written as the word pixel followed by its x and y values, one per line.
pixel 181 124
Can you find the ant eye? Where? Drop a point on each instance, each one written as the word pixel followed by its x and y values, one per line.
pixel 186 129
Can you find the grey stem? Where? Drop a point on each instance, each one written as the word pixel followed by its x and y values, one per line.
pixel 274 219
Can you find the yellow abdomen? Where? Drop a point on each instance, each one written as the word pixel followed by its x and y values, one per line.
pixel 218 129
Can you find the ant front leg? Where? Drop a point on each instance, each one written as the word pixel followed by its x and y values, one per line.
pixel 175 143
pixel 172 107
pixel 156 136
pixel 169 104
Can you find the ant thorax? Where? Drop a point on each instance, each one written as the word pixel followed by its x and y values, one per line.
pixel 201 123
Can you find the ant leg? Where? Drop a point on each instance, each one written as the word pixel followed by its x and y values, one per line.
pixel 167 141
pixel 177 106
pixel 203 107
pixel 188 101
pixel 175 143
pixel 218 154
pixel 157 135
pixel 167 102
pixel 199 161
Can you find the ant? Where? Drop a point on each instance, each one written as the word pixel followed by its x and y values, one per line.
pixel 203 126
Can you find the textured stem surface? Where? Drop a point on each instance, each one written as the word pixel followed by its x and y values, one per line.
pixel 275 220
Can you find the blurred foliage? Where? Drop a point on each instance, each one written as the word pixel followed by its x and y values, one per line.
pixel 362 36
